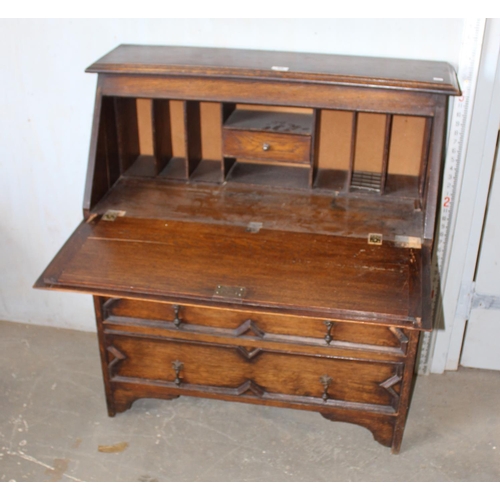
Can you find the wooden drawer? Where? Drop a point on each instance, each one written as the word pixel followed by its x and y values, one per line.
pixel 251 145
pixel 235 323
pixel 234 371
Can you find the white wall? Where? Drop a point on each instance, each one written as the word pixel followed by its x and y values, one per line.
pixel 46 105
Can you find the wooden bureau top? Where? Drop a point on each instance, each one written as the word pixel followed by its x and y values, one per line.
pixel 427 76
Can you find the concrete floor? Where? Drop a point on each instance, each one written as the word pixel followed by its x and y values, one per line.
pixel 53 423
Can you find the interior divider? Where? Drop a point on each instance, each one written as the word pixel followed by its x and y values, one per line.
pixel 387 148
pixel 127 131
pixel 107 167
pixel 193 136
pixel 227 163
pixel 162 134
pixel 352 156
pixel 425 158
pixel 316 132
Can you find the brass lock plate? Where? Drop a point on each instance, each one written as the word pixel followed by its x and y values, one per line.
pixel 230 292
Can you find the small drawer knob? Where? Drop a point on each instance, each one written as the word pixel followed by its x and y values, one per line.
pixel 177 366
pixel 328 336
pixel 177 320
pixel 325 380
pixel 266 146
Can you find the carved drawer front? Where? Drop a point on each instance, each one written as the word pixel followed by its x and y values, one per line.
pixel 250 145
pixel 233 323
pixel 239 371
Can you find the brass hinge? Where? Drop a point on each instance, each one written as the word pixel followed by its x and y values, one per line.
pixel 254 227
pixel 407 241
pixel 111 215
pixel 375 239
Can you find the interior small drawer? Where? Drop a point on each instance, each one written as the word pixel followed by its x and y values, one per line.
pixel 235 371
pixel 266 146
pixel 234 322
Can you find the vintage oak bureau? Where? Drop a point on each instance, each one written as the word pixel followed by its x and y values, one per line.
pixel 258 228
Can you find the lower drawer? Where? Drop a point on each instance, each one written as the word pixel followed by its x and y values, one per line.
pixel 238 371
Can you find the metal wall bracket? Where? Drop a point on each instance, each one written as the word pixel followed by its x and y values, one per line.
pixel 485 301
pixel 470 300
pixel 464 305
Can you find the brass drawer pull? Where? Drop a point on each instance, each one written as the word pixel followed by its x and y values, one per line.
pixel 177 320
pixel 177 366
pixel 326 381
pixel 328 335
pixel 266 147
